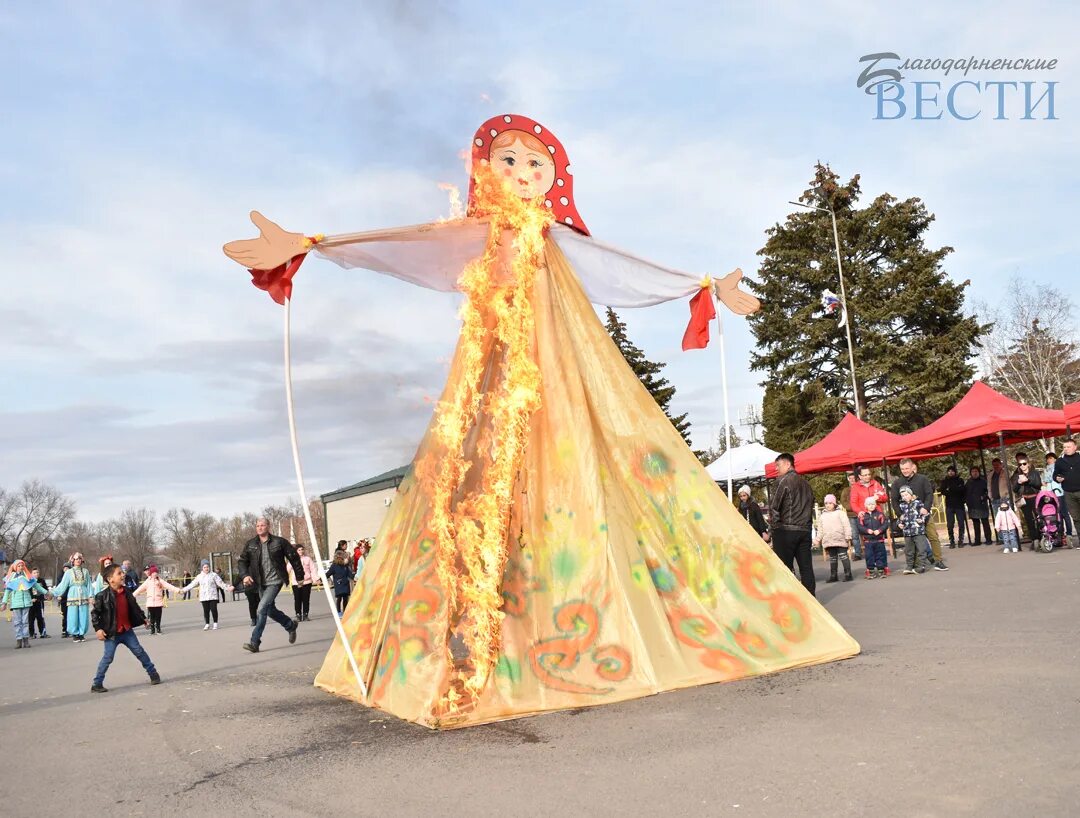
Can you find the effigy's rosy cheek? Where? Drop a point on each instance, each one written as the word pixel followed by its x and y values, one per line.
pixel 538 176
pixel 506 171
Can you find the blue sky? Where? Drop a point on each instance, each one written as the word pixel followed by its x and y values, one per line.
pixel 143 369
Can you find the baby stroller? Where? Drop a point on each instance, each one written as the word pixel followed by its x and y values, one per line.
pixel 1049 522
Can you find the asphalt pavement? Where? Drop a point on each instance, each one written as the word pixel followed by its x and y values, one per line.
pixel 964 701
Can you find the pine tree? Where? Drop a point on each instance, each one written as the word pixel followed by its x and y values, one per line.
pixel 913 345
pixel 647 372
pixel 712 453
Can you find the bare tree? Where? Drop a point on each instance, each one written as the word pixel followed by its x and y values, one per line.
pixel 136 536
pixel 1031 354
pixel 31 518
pixel 189 536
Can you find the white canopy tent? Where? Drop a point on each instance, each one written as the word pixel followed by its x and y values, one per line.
pixel 743 463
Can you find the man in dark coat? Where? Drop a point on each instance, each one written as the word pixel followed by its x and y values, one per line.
pixel 791 514
pixel 924 492
pixel 262 566
pixel 953 490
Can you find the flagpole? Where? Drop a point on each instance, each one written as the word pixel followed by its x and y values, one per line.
pixel 843 302
pixel 727 418
pixel 307 511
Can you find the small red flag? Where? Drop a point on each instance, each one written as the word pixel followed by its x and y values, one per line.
pixel 702 311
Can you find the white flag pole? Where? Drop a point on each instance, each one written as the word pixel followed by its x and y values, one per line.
pixel 727 417
pixel 307 511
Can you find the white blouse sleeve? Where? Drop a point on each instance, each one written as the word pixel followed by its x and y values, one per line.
pixel 614 278
pixel 431 255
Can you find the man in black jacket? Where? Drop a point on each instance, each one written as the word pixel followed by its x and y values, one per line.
pixel 262 566
pixel 791 513
pixel 924 491
pixel 1067 474
pixel 114 617
pixel 954 491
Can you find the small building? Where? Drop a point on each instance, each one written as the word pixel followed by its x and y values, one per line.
pixel 356 512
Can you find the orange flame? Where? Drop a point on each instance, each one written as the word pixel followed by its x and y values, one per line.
pixel 485 424
pixel 457 209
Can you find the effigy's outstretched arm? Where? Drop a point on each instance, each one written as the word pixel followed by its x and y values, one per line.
pixel 431 255
pixel 615 278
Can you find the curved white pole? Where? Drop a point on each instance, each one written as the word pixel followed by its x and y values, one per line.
pixel 307 511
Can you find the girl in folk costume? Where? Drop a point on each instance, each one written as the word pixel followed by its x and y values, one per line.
pixel 555 543
pixel 154 587
pixel 208 583
pixel 79 587
pixel 18 595
pixel 99 581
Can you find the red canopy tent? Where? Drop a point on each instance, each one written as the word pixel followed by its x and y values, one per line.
pixel 983 419
pixel 853 441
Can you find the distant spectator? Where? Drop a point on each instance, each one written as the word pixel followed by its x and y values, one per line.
pixel 953 490
pixel 978 505
pixel 155 588
pixel 1067 475
pixel 1008 527
pixel 998 480
pixel 852 515
pixel 834 535
pixel 209 583
pixel 872 527
pixel 131 576
pixel 1050 483
pixel 791 512
pixel 18 587
pixel 751 512
pixel 913 515
pixel 340 574
pixel 37 608
pixel 301 586
pixel 1026 484
pixel 924 493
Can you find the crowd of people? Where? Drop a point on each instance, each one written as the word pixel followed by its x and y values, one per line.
pixel 106 605
pixel 858 525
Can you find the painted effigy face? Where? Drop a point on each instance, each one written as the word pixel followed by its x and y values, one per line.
pixel 529 172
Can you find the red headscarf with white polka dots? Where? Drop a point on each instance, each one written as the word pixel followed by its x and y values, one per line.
pixel 560 198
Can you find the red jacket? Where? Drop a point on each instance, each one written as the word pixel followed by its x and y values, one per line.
pixel 357 553
pixel 859 493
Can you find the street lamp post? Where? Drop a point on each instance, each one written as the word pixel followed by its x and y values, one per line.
pixel 843 299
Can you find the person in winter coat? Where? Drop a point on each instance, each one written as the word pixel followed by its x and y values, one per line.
pixel 77 586
pixel 340 573
pixel 262 566
pixel 913 517
pixel 834 535
pixel 1008 528
pixel 18 588
pixel 924 493
pixel 1026 484
pixel 301 586
pixel 751 512
pixel 208 583
pixel 1067 475
pixel 154 587
pixel 115 616
pixel 977 499
pixel 953 490
pixel 1048 481
pixel 853 518
pixel 37 608
pixel 872 528
pixel 791 512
